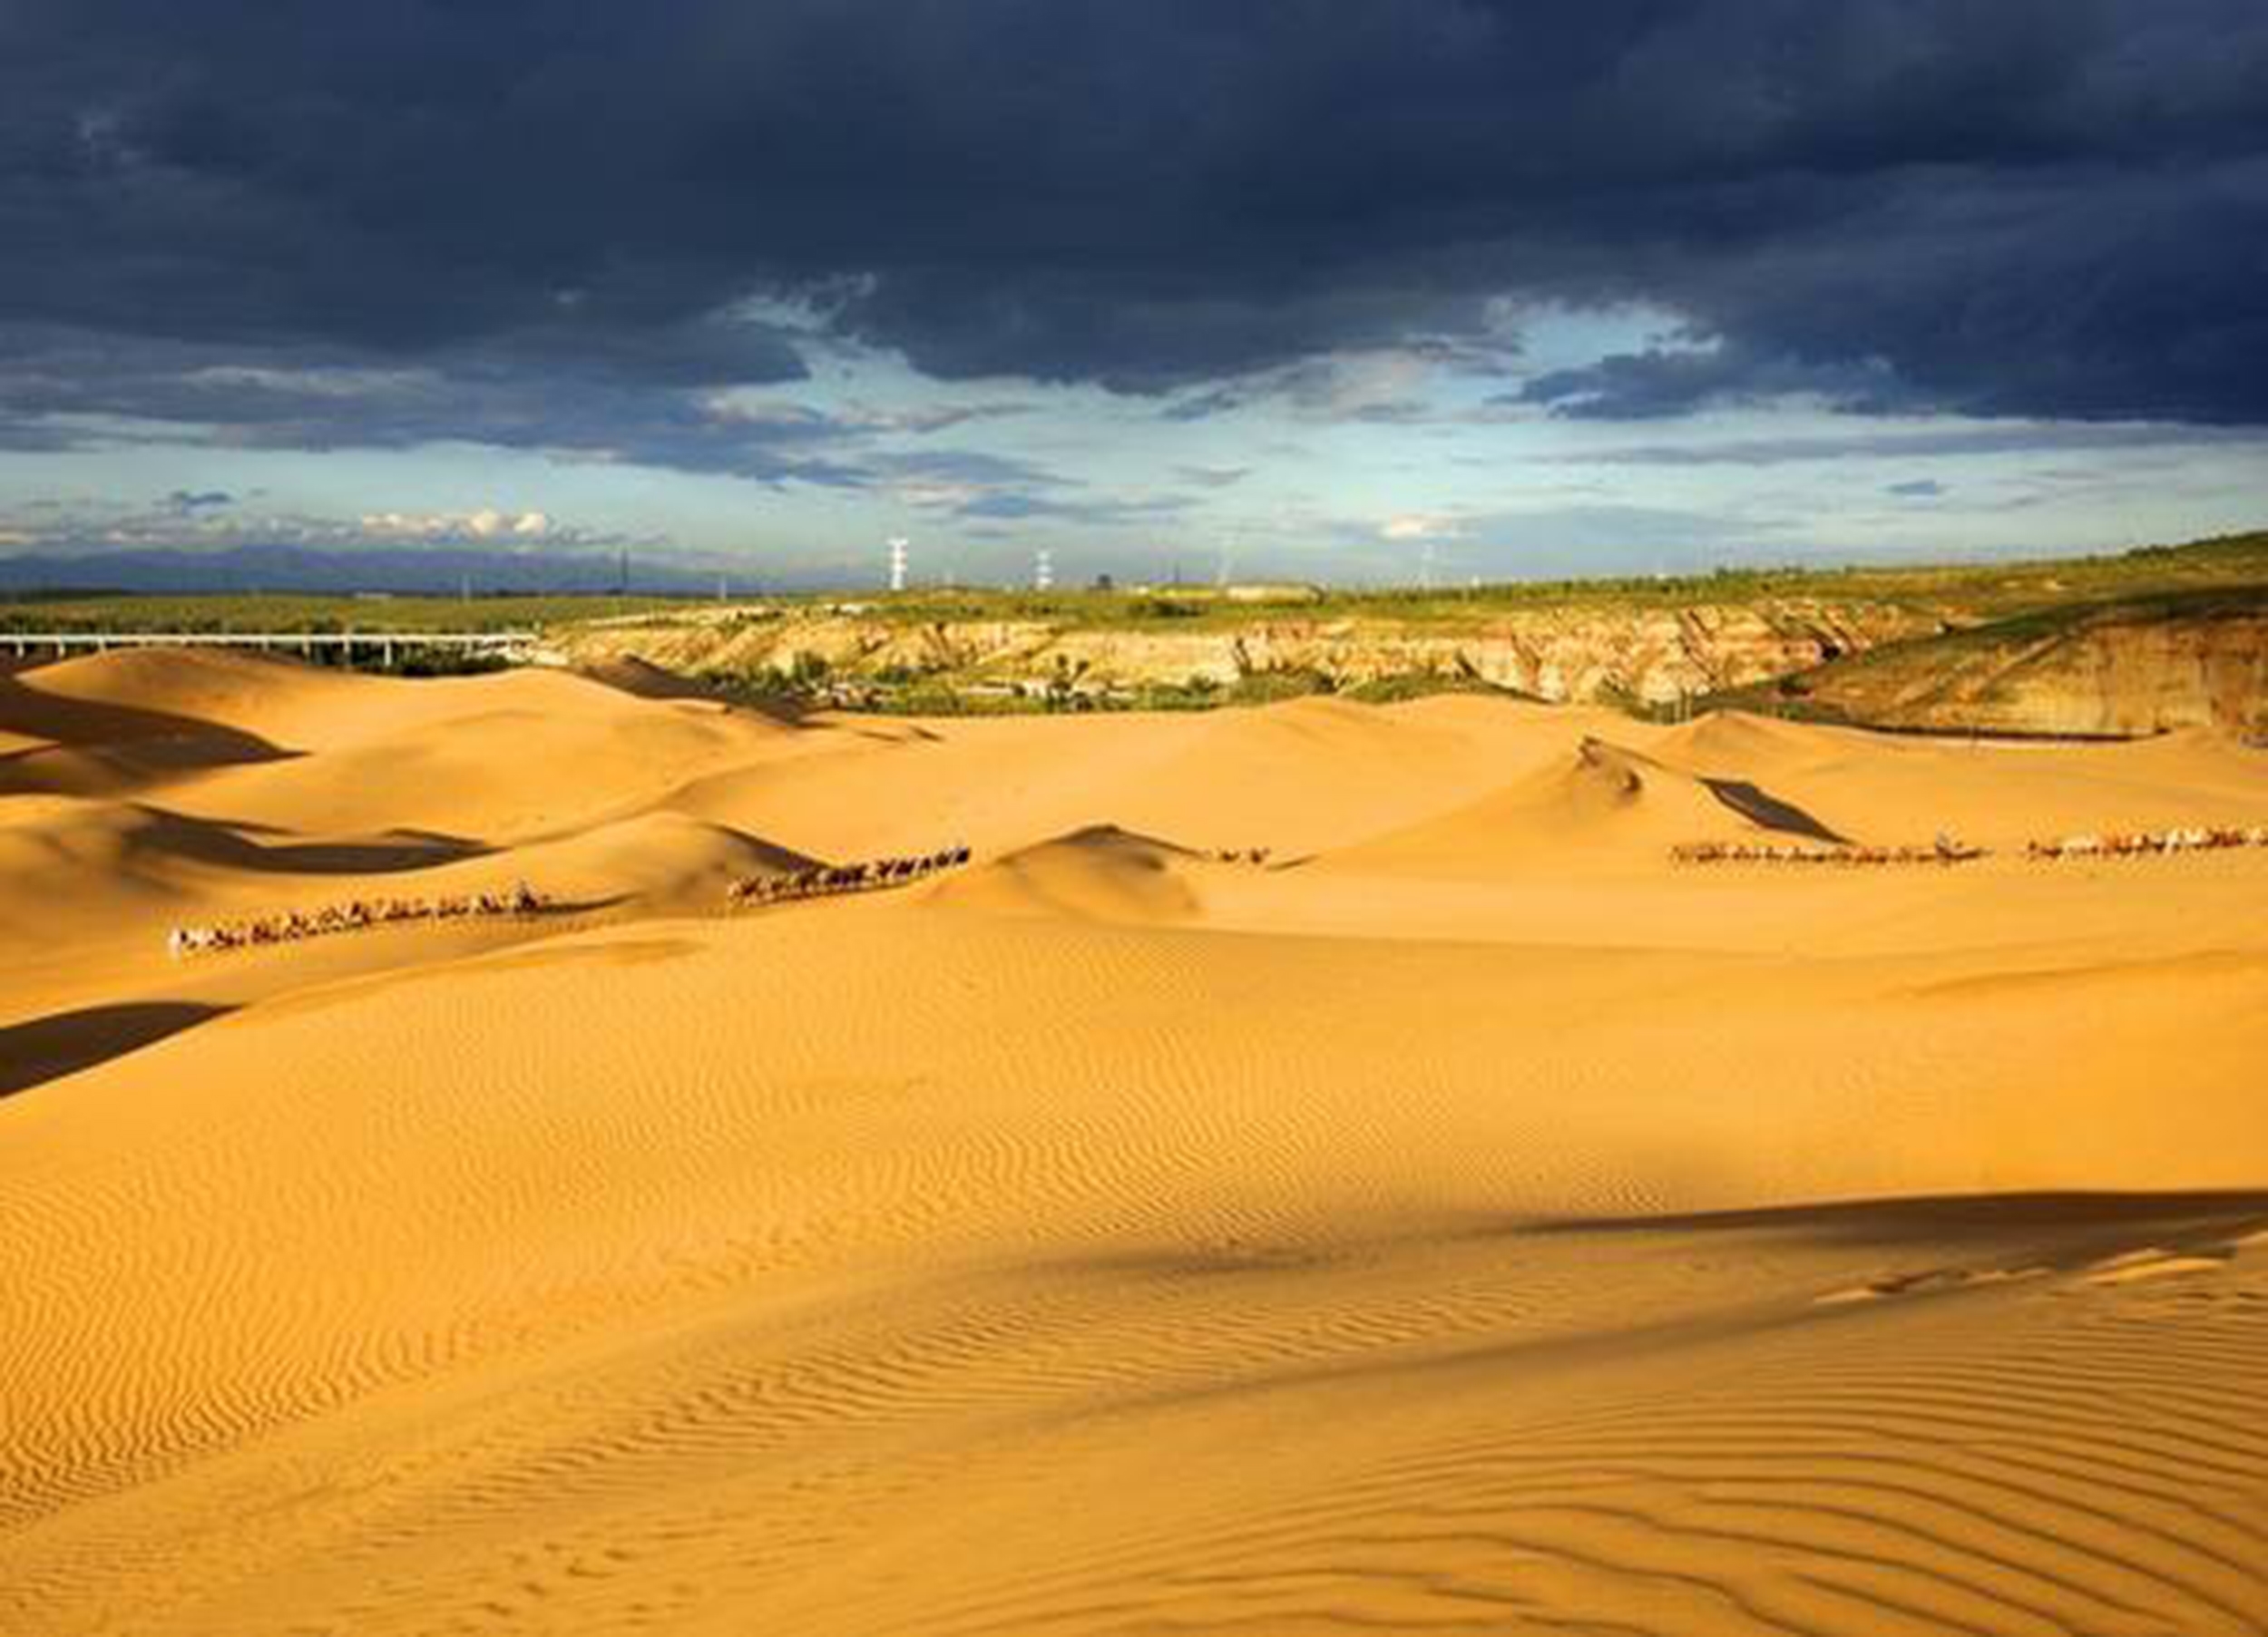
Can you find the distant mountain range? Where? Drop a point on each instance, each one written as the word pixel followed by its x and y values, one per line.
pixel 405 570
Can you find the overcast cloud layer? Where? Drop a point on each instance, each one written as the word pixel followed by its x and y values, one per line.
pixel 580 227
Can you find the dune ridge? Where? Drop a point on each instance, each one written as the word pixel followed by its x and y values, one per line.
pixel 1471 1220
pixel 1100 872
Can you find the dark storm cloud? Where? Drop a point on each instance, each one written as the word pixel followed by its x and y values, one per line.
pixel 2049 208
pixel 77 389
pixel 1660 383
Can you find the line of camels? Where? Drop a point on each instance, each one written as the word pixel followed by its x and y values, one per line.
pixel 825 880
pixel 358 915
pixel 1951 849
pixel 2135 843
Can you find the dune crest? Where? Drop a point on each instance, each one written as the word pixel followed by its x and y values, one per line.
pixel 1099 873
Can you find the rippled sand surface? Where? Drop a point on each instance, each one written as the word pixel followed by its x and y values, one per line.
pixel 1465 1220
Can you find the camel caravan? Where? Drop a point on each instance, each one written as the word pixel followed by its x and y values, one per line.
pixel 1257 857
pixel 2140 843
pixel 355 915
pixel 1945 849
pixel 1948 850
pixel 829 880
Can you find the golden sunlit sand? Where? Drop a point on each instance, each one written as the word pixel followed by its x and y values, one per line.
pixel 1461 1218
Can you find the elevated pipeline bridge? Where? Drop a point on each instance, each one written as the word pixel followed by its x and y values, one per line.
pixel 381 646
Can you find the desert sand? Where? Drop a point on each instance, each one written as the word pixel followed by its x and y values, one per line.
pixel 1467 1219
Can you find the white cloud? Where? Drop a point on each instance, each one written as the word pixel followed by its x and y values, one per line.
pixel 1418 526
pixel 486 523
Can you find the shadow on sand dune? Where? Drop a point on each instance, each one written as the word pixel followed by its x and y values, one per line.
pixel 47 1049
pixel 28 710
pixel 230 843
pixel 96 746
pixel 1762 807
pixel 2056 1229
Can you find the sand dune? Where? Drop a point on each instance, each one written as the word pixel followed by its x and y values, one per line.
pixel 216 689
pixel 1756 745
pixel 61 740
pixel 658 863
pixel 1471 1222
pixel 1897 789
pixel 65 864
pixel 1309 775
pixel 1099 873
pixel 1604 805
pixel 495 757
pixel 644 678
